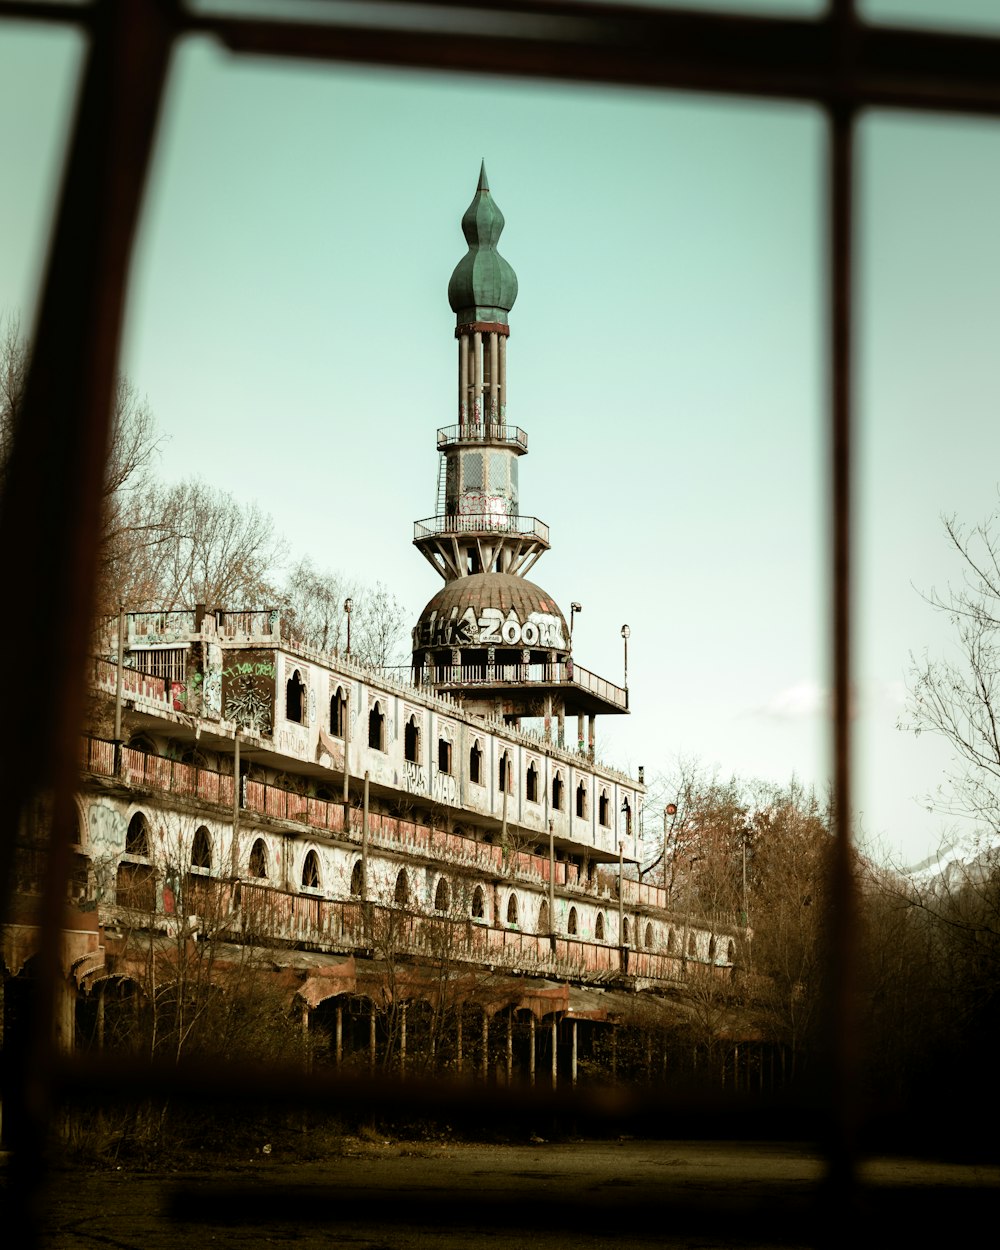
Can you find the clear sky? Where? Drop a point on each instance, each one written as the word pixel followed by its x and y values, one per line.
pixel 289 323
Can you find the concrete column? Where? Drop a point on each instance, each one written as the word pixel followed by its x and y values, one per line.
pixel 573 1065
pixel 590 736
pixel 494 379
pixel 555 1052
pixel 64 1015
pixel 502 376
pixel 562 725
pixel 579 733
pixel 477 384
pixel 531 1051
pixel 340 1035
pixel 463 379
pixel 548 717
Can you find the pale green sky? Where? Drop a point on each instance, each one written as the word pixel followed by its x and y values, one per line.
pixel 288 320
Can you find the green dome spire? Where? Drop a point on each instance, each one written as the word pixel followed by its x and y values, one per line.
pixel 483 286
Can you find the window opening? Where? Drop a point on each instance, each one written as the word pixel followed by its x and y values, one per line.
pixel 712 948
pixel 671 942
pixel 411 741
pixel 531 783
pixel 356 879
pixel 476 763
pixel 505 779
pixel 571 924
pixel 627 810
pixel 137 836
pixel 444 755
pixel 512 909
pixel 648 936
pixel 692 946
pixel 557 792
pixel 625 931
pixel 599 927
pixel 731 952
pixel 478 904
pixel 402 892
pixel 543 917
pixel 376 728
pixel 310 872
pixel 604 809
pixel 201 849
pixel 581 800
pixel 258 860
pixel 442 895
pixel 294 700
pixel 338 713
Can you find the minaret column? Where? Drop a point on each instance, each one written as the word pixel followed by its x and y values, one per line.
pixel 463 379
pixel 502 378
pixel 494 378
pixel 477 386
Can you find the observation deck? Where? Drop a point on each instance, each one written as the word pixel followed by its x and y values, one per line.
pixel 477 433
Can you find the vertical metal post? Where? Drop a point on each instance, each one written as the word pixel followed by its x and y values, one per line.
pixel 555 1051
pixel 365 906
pixel 573 1060
pixel 486 1046
pixel 340 1035
pixel 552 881
pixel 347 753
pixel 118 688
pixel 531 1051
pixel 234 854
pixel 510 1044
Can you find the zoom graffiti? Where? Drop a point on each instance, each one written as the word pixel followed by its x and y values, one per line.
pixel 491 627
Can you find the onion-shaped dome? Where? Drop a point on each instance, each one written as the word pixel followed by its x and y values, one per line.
pixel 483 286
pixel 492 610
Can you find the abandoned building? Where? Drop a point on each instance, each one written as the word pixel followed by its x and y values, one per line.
pixel 382 842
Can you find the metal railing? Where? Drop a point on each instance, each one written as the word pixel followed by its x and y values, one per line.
pixel 483 432
pixel 482 523
pixel 562 672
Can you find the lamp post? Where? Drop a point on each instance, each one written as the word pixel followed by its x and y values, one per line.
pixel 573 609
pixel 625 636
pixel 348 605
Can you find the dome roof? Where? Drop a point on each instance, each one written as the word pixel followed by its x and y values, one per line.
pixel 483 286
pixel 492 609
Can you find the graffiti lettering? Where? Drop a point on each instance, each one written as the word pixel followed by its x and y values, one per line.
pixel 445 788
pixel 106 826
pixel 490 628
pixel 258 669
pixel 414 778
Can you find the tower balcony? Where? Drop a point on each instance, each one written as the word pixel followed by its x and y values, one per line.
pixel 585 690
pixel 495 433
pixel 474 523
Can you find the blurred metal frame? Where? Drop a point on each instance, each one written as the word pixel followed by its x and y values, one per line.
pixel 50 513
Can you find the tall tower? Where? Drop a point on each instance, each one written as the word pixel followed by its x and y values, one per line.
pixel 489 637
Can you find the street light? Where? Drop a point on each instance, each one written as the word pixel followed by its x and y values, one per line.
pixel 625 635
pixel 573 609
pixel 348 605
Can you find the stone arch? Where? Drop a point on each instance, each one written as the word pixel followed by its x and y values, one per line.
pixel 401 893
pixel 512 910
pixel 647 937
pixel 376 727
pixel 599 927
pixel 411 740
pixel 442 895
pixel 137 835
pixel 311 879
pixel 531 783
pixel 478 903
pixel 572 922
pixel 257 863
pixel 295 700
pixel 476 763
pixel 201 848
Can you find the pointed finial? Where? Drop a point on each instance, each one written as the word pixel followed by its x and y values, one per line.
pixel 483 286
pixel 483 184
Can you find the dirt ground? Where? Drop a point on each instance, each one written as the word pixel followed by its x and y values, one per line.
pixel 376 1195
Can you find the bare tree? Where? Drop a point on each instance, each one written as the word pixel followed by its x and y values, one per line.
pixel 959 699
pixel 313 605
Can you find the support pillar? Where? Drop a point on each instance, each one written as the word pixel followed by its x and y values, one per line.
pixel 580 741
pixel 562 725
pixel 531 1051
pixel 477 383
pixel 494 379
pixel 340 1035
pixel 573 1062
pixel 371 1039
pixel 591 736
pixel 555 1052
pixel 463 379
pixel 510 1044
pixel 503 378
pixel 486 1046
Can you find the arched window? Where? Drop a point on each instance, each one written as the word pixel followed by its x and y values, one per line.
pixel 310 871
pixel 442 895
pixel 712 948
pixel 376 727
pixel 476 763
pixel 411 741
pixel 731 952
pixel 604 809
pixel 571 923
pixel 258 860
pixel 402 892
pixel 624 930
pixel 671 942
pixel 478 903
pixel 137 836
pixel 581 799
pixel 543 917
pixel 647 938
pixel 505 774
pixel 295 698
pixel 599 927
pixel 627 813
pixel 557 792
pixel 531 783
pixel 338 713
pixel 512 909
pixel 356 879
pixel 444 756
pixel 692 946
pixel 201 849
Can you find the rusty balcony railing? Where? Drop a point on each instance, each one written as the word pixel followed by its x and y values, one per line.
pixel 482 523
pixel 482 432
pixel 557 674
